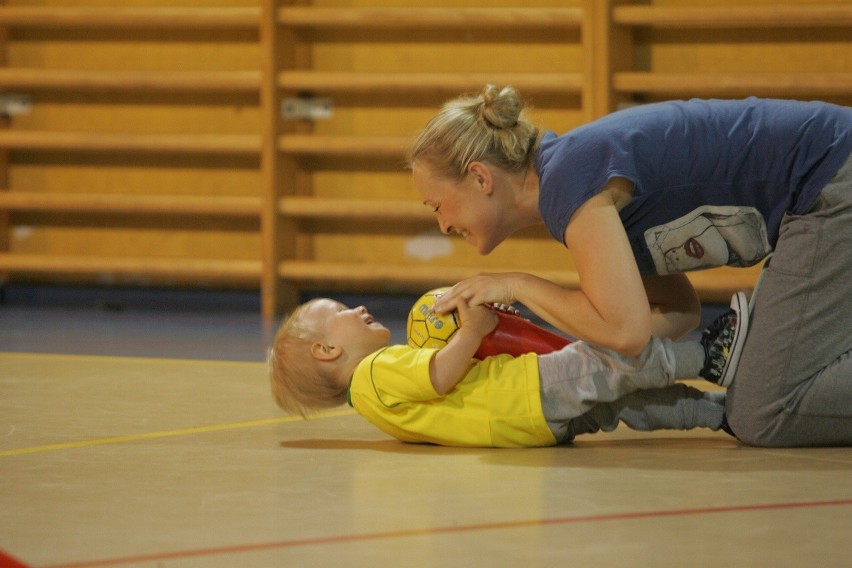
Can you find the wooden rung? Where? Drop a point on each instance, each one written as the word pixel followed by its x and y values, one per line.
pixel 451 83
pixel 442 18
pixel 787 84
pixel 130 204
pixel 389 275
pixel 233 144
pixel 351 146
pixel 81 80
pixel 354 209
pixel 236 18
pixel 717 285
pixel 767 16
pixel 206 269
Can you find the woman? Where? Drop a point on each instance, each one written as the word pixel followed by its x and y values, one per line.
pixel 645 194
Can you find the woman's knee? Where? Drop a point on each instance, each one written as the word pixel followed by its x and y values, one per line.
pixel 751 431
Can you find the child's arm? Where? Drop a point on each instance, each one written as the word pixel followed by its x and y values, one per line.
pixel 451 363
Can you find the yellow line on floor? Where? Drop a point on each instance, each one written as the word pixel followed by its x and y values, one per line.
pixel 166 434
pixel 129 358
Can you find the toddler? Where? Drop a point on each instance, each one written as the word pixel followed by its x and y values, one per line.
pixel 326 354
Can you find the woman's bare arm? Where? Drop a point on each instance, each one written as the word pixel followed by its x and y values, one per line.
pixel 675 307
pixel 611 308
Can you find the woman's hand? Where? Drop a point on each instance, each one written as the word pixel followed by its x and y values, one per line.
pixel 478 290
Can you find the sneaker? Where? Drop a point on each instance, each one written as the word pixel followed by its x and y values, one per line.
pixel 723 342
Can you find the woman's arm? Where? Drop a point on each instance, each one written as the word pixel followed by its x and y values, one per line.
pixel 675 307
pixel 611 308
pixel 613 305
pixel 450 364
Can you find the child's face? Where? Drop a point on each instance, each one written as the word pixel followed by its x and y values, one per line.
pixel 353 329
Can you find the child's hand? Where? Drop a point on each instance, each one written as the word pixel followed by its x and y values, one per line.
pixel 450 364
pixel 480 320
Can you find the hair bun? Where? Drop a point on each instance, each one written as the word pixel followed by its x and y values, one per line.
pixel 490 126
pixel 500 108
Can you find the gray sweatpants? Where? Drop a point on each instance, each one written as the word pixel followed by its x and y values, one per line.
pixel 793 386
pixel 585 389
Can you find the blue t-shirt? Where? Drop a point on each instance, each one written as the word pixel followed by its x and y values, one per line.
pixel 712 179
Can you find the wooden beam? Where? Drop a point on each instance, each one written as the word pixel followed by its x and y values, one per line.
pixel 132 81
pixel 205 269
pixel 130 204
pixel 420 18
pixel 397 275
pixel 351 146
pixel 354 209
pixel 778 15
pixel 119 17
pixel 717 285
pixel 236 144
pixel 445 83
pixel 734 85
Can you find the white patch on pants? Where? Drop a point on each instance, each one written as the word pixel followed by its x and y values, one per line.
pixel 707 237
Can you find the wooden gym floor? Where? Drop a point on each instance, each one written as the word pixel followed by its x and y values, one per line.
pixel 162 461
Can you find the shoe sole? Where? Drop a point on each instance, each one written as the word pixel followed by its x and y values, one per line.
pixel 739 303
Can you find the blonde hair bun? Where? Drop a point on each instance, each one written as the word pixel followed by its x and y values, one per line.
pixel 487 127
pixel 500 108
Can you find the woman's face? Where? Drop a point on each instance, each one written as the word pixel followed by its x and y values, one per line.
pixel 466 207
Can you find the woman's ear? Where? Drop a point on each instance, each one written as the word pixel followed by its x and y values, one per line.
pixel 325 352
pixel 482 176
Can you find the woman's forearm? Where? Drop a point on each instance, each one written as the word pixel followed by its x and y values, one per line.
pixel 675 307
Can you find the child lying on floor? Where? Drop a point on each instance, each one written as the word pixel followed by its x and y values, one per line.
pixel 326 354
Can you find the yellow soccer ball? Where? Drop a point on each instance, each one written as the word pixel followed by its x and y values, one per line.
pixel 427 329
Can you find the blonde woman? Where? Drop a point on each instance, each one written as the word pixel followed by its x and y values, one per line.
pixel 645 194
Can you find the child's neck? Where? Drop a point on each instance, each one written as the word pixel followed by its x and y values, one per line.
pixel 346 369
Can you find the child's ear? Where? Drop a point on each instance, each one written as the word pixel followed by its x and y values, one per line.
pixel 325 352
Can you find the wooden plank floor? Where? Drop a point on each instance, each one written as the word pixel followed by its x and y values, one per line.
pixel 144 462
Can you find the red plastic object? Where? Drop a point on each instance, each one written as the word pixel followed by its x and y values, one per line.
pixel 516 335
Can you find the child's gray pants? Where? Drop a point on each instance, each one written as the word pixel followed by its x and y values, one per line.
pixel 585 389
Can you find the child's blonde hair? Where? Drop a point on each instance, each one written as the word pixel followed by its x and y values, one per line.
pixel 298 384
pixel 489 127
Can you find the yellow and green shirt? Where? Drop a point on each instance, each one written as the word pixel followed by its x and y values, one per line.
pixel 496 404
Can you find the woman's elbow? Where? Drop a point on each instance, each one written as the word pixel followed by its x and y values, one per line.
pixel 691 322
pixel 632 348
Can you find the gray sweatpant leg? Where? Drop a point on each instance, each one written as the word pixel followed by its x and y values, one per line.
pixel 586 388
pixel 793 386
pixel 678 407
